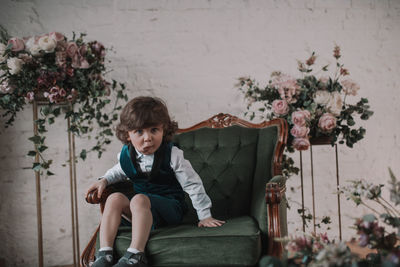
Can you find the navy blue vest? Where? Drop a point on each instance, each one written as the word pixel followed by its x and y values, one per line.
pixel 160 181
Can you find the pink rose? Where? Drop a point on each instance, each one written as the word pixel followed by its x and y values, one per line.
pixel 17 44
pixel 301 143
pixel 56 36
pixel 30 96
pixel 300 117
pixel 299 131
pixel 72 49
pixel 327 122
pixel 280 107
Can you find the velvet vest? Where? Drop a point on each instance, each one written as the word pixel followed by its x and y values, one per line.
pixel 160 181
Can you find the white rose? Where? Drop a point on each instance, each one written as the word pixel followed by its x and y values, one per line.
pixel 322 97
pixel 35 50
pixel 5 88
pixel 47 44
pixel 15 65
pixel 30 43
pixel 2 50
pixel 335 104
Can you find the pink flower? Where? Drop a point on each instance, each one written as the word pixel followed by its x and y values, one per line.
pixel 300 117
pixel 17 44
pixel 327 122
pixel 286 86
pixel 280 107
pixel 299 131
pixel 350 87
pixel 30 96
pixel 54 90
pixel 301 143
pixel 62 92
pixel 61 59
pixel 72 49
pixel 56 36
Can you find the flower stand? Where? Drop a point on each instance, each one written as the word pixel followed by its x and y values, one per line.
pixel 315 142
pixel 73 191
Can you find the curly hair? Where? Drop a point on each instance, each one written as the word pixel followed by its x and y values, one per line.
pixel 144 112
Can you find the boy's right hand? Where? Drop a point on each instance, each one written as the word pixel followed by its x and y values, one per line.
pixel 100 185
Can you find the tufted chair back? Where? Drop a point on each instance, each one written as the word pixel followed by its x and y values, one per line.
pixel 234 163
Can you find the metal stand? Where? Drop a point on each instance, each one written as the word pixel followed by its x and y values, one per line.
pixel 313 188
pixel 73 190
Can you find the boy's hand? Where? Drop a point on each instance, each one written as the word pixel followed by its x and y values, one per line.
pixel 100 185
pixel 210 222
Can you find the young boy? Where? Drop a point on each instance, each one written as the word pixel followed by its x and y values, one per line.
pixel 160 175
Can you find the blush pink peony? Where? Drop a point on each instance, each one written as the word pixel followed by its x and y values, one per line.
pixel 280 107
pixel 301 143
pixel 299 131
pixel 300 117
pixel 327 122
pixel 17 44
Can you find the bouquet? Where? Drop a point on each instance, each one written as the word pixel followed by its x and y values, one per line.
pixel 313 106
pixel 65 75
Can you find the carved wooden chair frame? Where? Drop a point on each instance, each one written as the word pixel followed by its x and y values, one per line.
pixel 273 191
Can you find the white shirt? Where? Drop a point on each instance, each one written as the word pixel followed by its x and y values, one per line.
pixel 187 177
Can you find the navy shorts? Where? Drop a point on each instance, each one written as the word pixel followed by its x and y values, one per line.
pixel 165 211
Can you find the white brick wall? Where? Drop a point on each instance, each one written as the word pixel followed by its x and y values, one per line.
pixel 190 53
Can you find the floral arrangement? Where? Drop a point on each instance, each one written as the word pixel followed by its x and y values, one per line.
pixel 318 250
pixel 66 75
pixel 313 106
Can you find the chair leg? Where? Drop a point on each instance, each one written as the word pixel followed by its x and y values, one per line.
pixel 88 253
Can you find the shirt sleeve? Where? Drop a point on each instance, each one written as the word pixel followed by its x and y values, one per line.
pixel 191 183
pixel 115 174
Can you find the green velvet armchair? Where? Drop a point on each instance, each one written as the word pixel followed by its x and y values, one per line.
pixel 240 165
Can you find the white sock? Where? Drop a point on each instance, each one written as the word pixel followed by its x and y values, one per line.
pixel 133 250
pixel 105 248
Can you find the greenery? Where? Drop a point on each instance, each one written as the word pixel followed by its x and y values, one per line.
pixel 318 250
pixel 67 77
pixel 314 107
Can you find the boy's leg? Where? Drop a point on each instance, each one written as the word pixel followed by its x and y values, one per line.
pixel 142 220
pixel 116 204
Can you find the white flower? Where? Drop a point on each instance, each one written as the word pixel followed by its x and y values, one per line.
pixel 2 50
pixel 30 43
pixel 47 44
pixel 322 97
pixel 5 88
pixel 15 65
pixel 35 50
pixel 335 104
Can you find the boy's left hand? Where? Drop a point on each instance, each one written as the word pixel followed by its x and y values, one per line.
pixel 210 222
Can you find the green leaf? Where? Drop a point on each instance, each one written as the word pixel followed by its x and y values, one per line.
pixel 42 148
pixel 49 173
pixel 51 120
pixel 369 218
pixel 36 166
pixel 83 153
pixel 35 139
pixel 31 153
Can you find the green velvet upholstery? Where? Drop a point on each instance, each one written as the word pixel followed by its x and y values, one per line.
pixel 235 163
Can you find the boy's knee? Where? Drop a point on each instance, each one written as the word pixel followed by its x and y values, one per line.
pixel 116 199
pixel 140 201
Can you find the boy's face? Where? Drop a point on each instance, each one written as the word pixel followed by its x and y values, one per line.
pixel 147 140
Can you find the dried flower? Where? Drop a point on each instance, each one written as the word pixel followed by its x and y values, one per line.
pixel 336 52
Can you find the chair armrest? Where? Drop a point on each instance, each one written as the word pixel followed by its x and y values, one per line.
pixel 275 199
pixel 92 197
pixel 125 187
